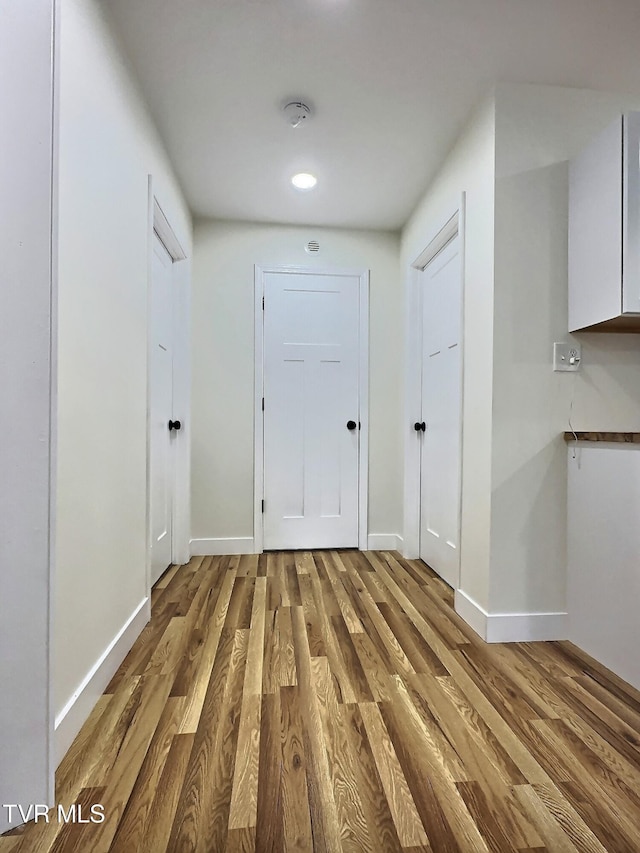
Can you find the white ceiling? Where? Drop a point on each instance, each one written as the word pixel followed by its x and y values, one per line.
pixel 392 82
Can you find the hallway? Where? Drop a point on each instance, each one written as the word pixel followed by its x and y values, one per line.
pixel 334 701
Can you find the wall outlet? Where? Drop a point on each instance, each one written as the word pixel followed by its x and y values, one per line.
pixel 566 357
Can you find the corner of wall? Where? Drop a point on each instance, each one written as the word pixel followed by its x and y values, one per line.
pixel 511 627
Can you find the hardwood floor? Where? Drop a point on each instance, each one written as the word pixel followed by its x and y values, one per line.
pixel 333 701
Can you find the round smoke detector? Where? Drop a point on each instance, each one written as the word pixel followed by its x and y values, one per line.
pixel 297 113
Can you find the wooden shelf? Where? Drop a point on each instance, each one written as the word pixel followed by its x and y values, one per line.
pixel 619 437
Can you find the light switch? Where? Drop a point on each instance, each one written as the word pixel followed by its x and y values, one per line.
pixel 566 357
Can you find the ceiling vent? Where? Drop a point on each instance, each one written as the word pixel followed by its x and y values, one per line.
pixel 312 247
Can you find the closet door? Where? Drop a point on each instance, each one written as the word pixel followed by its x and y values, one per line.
pixel 311 405
pixel 441 283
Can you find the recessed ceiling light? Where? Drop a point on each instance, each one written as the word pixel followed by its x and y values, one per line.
pixel 304 181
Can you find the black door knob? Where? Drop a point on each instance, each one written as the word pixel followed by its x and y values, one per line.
pixel 351 424
pixel 420 427
pixel 174 425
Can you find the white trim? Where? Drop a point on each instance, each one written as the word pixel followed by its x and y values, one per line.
pixel 166 233
pixel 462 232
pixel 181 514
pixel 181 274
pixel 363 413
pixel 474 615
pixel 258 414
pixel 222 546
pixel 384 542
pixel 412 407
pixel 363 382
pixel 77 710
pixel 511 627
pixel 440 236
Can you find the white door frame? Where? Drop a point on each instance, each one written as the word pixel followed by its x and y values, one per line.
pixel 181 279
pixel 363 408
pixel 446 227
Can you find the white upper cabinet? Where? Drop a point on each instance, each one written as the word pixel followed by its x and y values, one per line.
pixel 604 231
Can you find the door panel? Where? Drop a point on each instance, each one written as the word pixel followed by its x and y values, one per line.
pixel 311 345
pixel 441 411
pixel 161 410
pixel 332 430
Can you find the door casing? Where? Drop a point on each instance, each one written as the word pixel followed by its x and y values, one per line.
pixel 450 223
pixel 180 513
pixel 363 384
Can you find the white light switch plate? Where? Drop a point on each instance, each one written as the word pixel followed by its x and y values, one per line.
pixel 566 357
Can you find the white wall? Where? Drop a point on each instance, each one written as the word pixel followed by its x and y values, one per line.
pixel 108 147
pixel 512 161
pixel 223 364
pixel 470 167
pixel 537 129
pixel 27 308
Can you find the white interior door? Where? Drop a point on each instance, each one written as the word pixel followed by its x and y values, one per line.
pixel 311 404
pixel 161 475
pixel 441 284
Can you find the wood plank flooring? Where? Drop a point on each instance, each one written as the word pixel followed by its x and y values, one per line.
pixel 333 701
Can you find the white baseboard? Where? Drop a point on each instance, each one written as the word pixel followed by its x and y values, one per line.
pixel 474 615
pixel 75 713
pixel 511 627
pixel 409 553
pixel 220 547
pixel 384 542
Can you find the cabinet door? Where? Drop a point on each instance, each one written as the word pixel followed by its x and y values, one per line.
pixel 595 230
pixel 631 215
pixel 603 543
